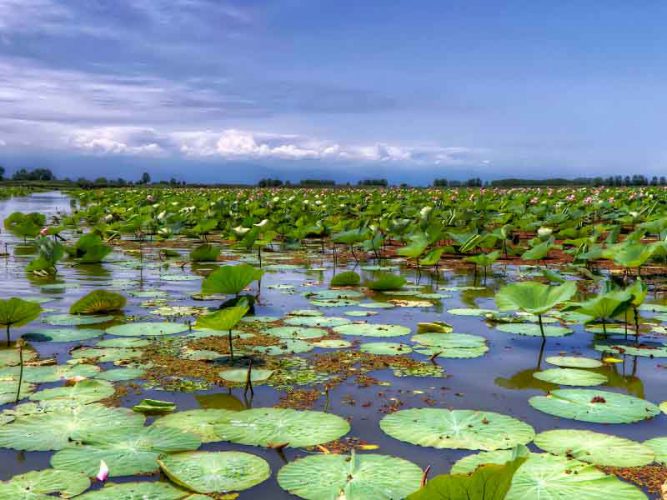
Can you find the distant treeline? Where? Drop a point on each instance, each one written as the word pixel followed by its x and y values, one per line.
pixel 46 176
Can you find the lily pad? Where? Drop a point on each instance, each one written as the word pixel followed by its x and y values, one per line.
pixel 457 429
pixel 43 483
pixel 62 335
pixel 153 490
pixel 372 330
pixel 595 448
pixel 320 321
pixel 57 428
pixel 470 312
pixel 450 345
pixel 360 477
pixel 75 319
pixel 51 373
pixel 120 374
pixel 589 405
pixel 127 452
pixel 659 447
pixel 239 375
pixel 266 426
pixel 296 332
pixel 385 348
pixel 83 392
pixel 147 329
pixel 332 344
pixel 533 330
pixel 215 471
pixel 573 362
pixel 571 376
pixel 200 422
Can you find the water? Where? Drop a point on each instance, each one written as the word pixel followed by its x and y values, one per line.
pixel 499 381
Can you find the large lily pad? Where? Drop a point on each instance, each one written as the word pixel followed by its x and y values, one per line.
pixel 145 490
pixel 62 334
pixel 450 345
pixel 215 471
pixel 372 330
pixel 385 348
pixel 43 483
pixel 361 477
pixel 296 332
pixel 240 375
pixel 659 447
pixel 546 476
pixel 266 426
pixel 533 330
pixel 458 429
pixel 595 448
pixel 570 376
pixel 147 329
pixel 319 321
pixel 57 428
pixel 573 362
pixel 589 405
pixel 82 392
pixel 75 319
pixel 126 451
pixel 200 422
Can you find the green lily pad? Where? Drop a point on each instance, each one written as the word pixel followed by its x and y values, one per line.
pixel 306 313
pixel 56 428
pixel 376 305
pixel 360 477
pixel 62 335
pixel 286 346
pixel 146 329
pixel 239 375
pixel 659 447
pixel 200 422
pixel 457 429
pixel 215 471
pixel 154 406
pixel 595 448
pixel 83 392
pixel 653 350
pixel 450 345
pixel 107 354
pixel 335 303
pixel 385 348
pixel 10 357
pixel 9 388
pixel 153 490
pixel 75 319
pixel 296 332
pixel 332 344
pixel 359 314
pixel 320 321
pixel 533 330
pixel 51 373
pixel 571 376
pixel 554 477
pixel 266 426
pixel 573 362
pixel 470 312
pixel 372 330
pixel 127 452
pixel 43 483
pixel 120 374
pixel 589 405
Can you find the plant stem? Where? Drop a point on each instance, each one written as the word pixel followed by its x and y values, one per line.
pixel 18 389
pixel 539 319
pixel 231 345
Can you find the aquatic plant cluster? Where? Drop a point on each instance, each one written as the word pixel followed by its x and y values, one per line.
pixel 345 343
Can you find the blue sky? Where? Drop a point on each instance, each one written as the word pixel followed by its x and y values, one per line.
pixel 232 91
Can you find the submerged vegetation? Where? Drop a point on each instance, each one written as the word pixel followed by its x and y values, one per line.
pixel 336 343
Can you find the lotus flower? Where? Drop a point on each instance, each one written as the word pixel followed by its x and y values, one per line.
pixel 44 231
pixel 103 473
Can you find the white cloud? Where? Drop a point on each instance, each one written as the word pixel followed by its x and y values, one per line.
pixel 117 141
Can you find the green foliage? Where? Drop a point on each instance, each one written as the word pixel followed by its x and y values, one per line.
pixel 386 282
pixel 50 252
pixel 89 249
pixel 205 253
pixel 606 306
pixel 230 279
pixel 98 302
pixel 224 319
pixel 17 312
pixel 347 278
pixel 488 482
pixel 25 225
pixel 533 297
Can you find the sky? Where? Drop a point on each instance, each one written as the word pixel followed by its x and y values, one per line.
pixel 409 90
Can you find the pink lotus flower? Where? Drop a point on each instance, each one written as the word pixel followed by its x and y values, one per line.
pixel 103 473
pixel 44 231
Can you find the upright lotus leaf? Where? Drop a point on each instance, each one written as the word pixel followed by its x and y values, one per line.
pixel 457 429
pixel 230 280
pixel 224 319
pixel 595 448
pixel 386 282
pixel 589 405
pixel 346 278
pixel 57 426
pixel 126 452
pixel 215 471
pixel 272 426
pixel 42 484
pixel 89 249
pixel 361 477
pixel 605 307
pixel 25 225
pixel 630 254
pixel 98 302
pixel 82 392
pixel 145 490
pixel 539 251
pixel 205 253
pixel 17 312
pixel 488 482
pixel 533 297
pixel 50 252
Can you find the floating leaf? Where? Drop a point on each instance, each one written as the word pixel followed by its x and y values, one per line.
pixel 372 330
pixel 573 362
pixel 83 392
pixel 43 483
pixel 570 376
pixel 146 329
